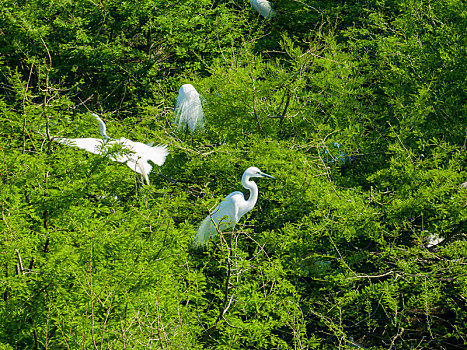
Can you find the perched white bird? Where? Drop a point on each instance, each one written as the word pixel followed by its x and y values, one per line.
pixel 138 157
pixel 432 239
pixel 263 7
pixel 232 208
pixel 188 109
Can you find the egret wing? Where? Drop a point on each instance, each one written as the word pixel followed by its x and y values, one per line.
pixel 204 233
pixel 120 156
pixel 92 145
pixel 156 154
pixel 224 216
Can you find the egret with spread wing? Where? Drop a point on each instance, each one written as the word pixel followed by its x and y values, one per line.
pixel 137 158
pixel 232 208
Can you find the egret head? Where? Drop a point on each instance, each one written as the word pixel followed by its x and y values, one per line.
pixel 255 172
pixel 186 88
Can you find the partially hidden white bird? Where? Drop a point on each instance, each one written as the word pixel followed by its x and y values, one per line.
pixel 433 239
pixel 230 210
pixel 138 157
pixel 189 109
pixel 263 7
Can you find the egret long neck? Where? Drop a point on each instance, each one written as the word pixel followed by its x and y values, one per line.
pixel 251 201
pixel 102 127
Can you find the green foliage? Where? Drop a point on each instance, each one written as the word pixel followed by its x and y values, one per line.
pixel 358 110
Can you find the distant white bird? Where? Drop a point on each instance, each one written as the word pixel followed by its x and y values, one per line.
pixel 432 239
pixel 188 109
pixel 232 208
pixel 263 7
pixel 138 157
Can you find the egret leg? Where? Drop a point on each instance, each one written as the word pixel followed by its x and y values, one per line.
pixel 168 178
pixel 141 183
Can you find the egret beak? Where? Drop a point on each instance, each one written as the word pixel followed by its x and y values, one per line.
pixel 266 175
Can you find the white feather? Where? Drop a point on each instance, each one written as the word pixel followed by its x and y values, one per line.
pixel 263 7
pixel 433 239
pixel 188 109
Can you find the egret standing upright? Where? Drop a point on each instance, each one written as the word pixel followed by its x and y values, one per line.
pixel 230 210
pixel 188 109
pixel 136 161
pixel 263 7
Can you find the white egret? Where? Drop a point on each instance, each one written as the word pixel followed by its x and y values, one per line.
pixel 230 210
pixel 263 7
pixel 432 239
pixel 188 109
pixel 137 159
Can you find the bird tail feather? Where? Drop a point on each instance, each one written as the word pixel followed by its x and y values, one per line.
pixel 204 233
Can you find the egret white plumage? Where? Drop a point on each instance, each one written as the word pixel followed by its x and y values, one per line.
pixel 188 109
pixel 230 210
pixel 102 127
pixel 137 159
pixel 263 7
pixel 432 239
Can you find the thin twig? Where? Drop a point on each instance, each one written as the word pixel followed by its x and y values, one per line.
pixel 285 108
pixel 260 128
pixel 465 140
pixel 20 263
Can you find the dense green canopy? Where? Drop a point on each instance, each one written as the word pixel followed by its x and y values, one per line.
pixel 357 108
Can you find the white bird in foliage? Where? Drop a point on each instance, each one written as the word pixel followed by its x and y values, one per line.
pixel 188 109
pixel 230 210
pixel 137 158
pixel 263 7
pixel 433 239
